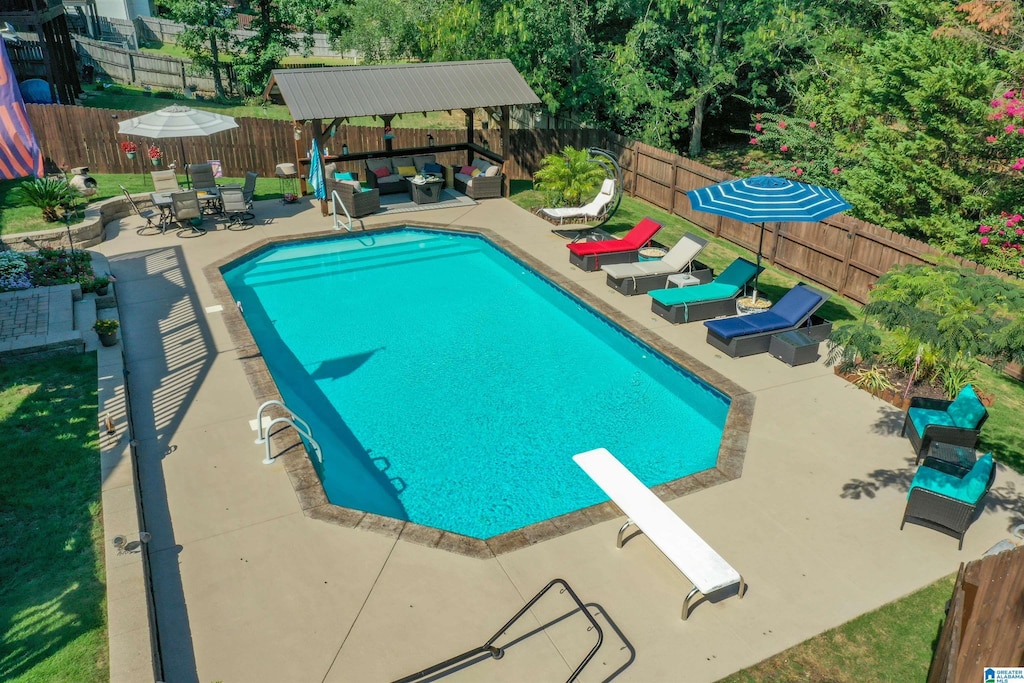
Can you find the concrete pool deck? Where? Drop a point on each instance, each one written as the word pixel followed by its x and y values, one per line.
pixel 246 587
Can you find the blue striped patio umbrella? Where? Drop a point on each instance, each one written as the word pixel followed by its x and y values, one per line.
pixel 768 199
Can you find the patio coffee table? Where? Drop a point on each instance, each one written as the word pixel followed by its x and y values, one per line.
pixel 961 457
pixel 426 192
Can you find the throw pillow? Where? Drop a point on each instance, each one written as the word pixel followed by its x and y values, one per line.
pixel 467 170
pixel 433 168
pixel 347 175
pixel 382 172
pixel 406 170
pixel 476 172
pixel 492 171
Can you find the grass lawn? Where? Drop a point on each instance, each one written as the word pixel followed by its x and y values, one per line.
pixel 52 594
pixel 16 216
pixel 894 643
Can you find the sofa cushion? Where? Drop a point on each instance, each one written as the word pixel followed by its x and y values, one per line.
pixel 393 178
pixel 922 417
pixel 382 172
pixel 968 490
pixel 374 164
pixel 421 161
pixel 397 162
pixel 330 169
pixel 354 184
pixel 966 410
pixel 406 170
pixel 482 164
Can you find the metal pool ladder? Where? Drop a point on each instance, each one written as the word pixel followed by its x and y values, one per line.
pixel 300 425
pixel 335 201
pixel 497 652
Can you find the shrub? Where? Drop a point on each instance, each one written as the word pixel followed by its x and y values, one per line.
pixel 50 267
pixel 12 263
pixel 48 194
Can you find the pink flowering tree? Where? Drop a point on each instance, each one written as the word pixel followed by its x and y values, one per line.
pixel 793 148
pixel 999 242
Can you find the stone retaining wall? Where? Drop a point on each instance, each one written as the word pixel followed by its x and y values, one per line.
pixel 87 233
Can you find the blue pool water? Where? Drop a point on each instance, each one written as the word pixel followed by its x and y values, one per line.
pixel 449 384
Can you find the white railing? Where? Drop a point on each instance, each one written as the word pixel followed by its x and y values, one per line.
pixel 335 201
pixel 296 422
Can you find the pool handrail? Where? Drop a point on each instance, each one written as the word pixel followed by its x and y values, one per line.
pixel 335 201
pixel 300 425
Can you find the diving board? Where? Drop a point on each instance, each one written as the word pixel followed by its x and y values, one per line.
pixel 698 561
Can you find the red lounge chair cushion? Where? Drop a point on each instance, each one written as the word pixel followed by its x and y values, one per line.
pixel 640 235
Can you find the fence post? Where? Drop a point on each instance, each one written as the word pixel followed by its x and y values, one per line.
pixel 184 78
pixel 851 239
pixel 131 67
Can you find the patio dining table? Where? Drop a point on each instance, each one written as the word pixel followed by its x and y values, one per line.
pixel 209 200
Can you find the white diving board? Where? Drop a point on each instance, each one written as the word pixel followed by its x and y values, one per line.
pixel 698 561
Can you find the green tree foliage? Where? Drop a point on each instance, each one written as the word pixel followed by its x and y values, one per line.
pixel 207 35
pixel 279 27
pixel 48 194
pixel 571 178
pixel 382 30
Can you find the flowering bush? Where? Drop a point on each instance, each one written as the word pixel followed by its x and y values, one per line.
pixel 50 267
pixel 793 148
pixel 154 152
pixel 13 271
pixel 1001 243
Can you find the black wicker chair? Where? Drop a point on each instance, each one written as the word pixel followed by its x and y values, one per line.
pixel 958 436
pixel 940 512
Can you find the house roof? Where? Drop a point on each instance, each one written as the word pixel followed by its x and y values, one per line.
pixel 344 91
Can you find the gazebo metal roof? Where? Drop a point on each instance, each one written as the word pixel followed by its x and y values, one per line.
pixel 345 91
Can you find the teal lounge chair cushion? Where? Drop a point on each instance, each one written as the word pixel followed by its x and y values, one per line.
pixel 725 286
pixel 969 489
pixel 966 410
pixel 922 417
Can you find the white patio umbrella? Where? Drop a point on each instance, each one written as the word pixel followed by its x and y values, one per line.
pixel 177 122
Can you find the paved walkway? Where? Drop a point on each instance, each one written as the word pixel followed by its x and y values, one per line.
pixel 39 320
pixel 249 589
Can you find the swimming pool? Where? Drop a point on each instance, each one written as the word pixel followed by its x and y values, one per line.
pixel 449 384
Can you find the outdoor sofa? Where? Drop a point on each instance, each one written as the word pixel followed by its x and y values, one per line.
pixel 957 422
pixel 745 335
pixel 704 301
pixel 591 256
pixel 478 180
pixel 643 276
pixel 944 496
pixel 390 175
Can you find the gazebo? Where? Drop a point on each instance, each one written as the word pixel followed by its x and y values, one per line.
pixel 336 94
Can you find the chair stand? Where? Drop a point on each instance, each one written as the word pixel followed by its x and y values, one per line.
pixel 240 221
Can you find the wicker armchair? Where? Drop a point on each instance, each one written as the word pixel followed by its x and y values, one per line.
pixel 357 203
pixel 938 499
pixel 956 422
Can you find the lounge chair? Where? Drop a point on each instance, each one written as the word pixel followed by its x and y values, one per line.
pixel 594 210
pixel 745 335
pixel 643 276
pixel 956 422
pixel 590 256
pixel 944 497
pixel 698 561
pixel 704 301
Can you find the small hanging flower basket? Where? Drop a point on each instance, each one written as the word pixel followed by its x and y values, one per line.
pixel 129 148
pixel 154 154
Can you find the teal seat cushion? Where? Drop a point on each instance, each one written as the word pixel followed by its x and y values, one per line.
pixel 968 490
pixel 922 417
pixel 688 295
pixel 966 410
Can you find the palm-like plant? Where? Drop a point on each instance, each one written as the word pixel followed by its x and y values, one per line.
pixel 48 194
pixel 571 178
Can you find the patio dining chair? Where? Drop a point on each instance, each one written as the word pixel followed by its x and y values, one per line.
pixel 151 217
pixel 236 208
pixel 165 181
pixel 187 213
pixel 202 177
pixel 249 187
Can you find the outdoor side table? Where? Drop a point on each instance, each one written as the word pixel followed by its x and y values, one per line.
pixel 427 192
pixel 793 348
pixel 682 280
pixel 962 457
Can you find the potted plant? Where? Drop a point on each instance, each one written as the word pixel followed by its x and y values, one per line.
pixel 106 328
pixel 129 148
pixel 154 154
pixel 100 285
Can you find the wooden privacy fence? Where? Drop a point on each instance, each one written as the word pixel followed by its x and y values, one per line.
pixel 841 253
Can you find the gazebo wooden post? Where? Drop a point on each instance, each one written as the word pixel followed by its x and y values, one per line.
pixel 469 135
pixel 297 126
pixel 506 146
pixel 387 124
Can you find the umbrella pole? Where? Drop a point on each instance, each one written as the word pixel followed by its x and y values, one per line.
pixel 760 245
